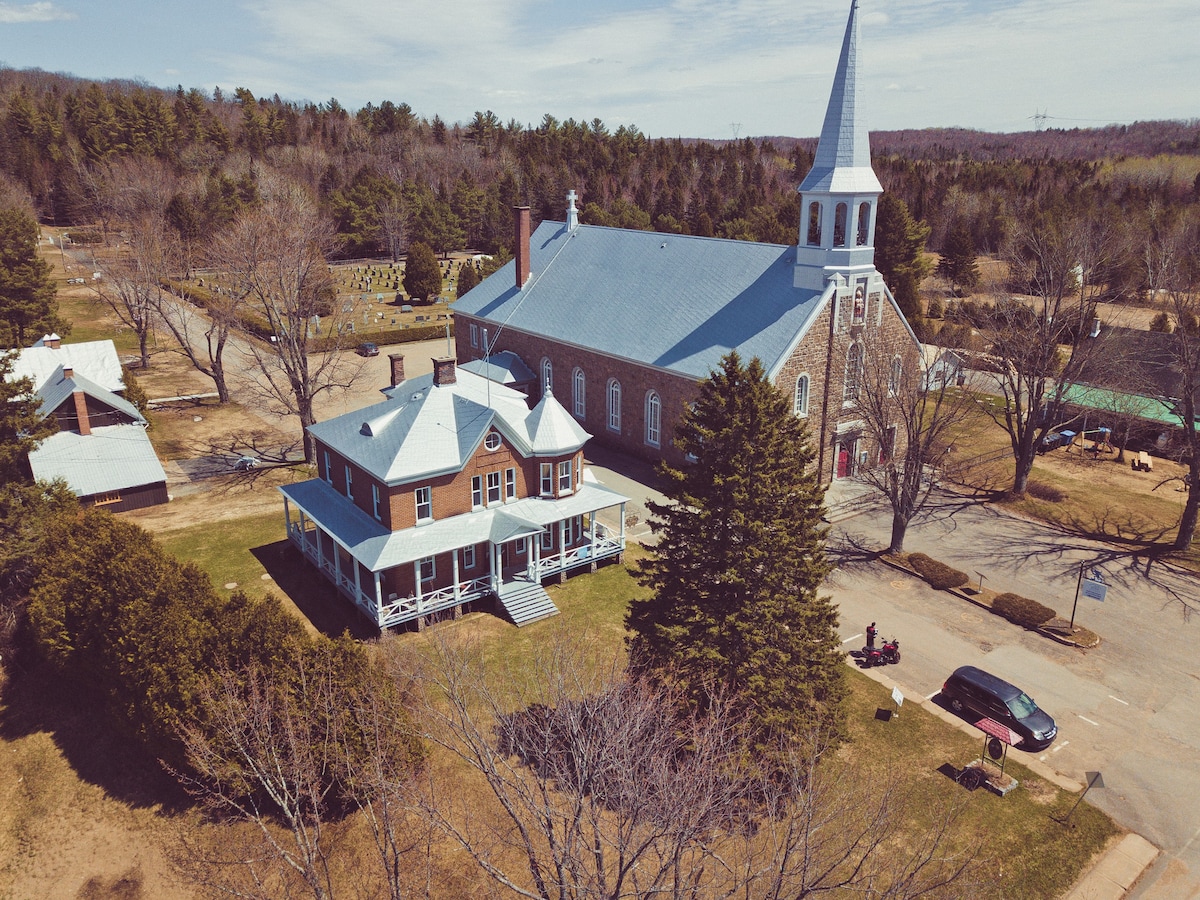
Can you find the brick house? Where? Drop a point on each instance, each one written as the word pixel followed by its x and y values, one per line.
pixel 101 449
pixel 452 491
pixel 623 324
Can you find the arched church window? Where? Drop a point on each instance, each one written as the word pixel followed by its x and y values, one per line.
pixel 850 386
pixel 864 223
pixel 547 374
pixel 839 225
pixel 814 224
pixel 800 403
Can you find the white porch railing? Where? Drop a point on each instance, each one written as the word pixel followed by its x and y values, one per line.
pixel 579 556
pixel 404 609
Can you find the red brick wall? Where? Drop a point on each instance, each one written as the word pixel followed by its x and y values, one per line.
pixel 636 380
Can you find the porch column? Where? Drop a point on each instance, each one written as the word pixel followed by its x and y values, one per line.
pixel 592 551
pixel 337 566
pixel 535 553
pixel 457 586
pixel 357 582
pixel 378 593
pixel 494 552
pixel 417 582
pixel 320 549
pixel 287 517
pixel 622 524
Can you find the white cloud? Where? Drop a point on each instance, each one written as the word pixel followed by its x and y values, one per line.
pixel 32 12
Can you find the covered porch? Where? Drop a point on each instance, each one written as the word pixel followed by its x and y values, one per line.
pixel 403 576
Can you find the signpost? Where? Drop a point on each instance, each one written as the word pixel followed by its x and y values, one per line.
pixel 1095 779
pixel 1093 586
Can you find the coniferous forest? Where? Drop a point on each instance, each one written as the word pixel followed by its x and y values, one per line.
pixel 389 176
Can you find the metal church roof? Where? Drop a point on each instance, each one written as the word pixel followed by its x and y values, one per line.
pixel 676 302
pixel 843 159
pixel 96 360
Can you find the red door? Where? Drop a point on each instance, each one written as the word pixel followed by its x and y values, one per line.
pixel 843 462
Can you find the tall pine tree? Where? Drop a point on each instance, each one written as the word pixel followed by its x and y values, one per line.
pixel 739 559
pixel 28 304
pixel 900 253
pixel 958 263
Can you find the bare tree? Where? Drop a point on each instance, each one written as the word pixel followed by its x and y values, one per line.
pixel 1173 274
pixel 1040 340
pixel 911 413
pixel 132 283
pixel 275 257
pixel 291 754
pixel 393 221
pixel 612 788
pixel 202 333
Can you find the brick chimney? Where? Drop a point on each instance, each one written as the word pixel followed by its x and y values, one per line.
pixel 521 243
pixel 85 425
pixel 52 341
pixel 443 371
pixel 397 361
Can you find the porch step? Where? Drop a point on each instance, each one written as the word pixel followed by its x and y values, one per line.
pixel 526 602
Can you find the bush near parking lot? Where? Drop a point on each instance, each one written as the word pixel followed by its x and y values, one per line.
pixel 1021 610
pixel 938 574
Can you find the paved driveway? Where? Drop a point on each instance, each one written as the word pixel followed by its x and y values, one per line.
pixel 1130 708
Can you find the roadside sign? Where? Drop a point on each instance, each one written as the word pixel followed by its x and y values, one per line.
pixel 897 697
pixel 1096 590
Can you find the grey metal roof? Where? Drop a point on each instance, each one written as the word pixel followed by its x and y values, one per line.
pixel 424 429
pixel 377 548
pixel 843 160
pixel 57 388
pixel 504 367
pixel 673 301
pixel 111 458
pixel 96 360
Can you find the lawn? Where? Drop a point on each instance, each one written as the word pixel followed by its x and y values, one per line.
pixel 1029 854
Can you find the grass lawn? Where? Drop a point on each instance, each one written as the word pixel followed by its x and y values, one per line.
pixel 1028 853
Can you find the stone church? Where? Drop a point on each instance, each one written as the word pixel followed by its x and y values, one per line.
pixel 621 325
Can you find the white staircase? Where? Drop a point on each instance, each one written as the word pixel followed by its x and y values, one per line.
pixel 526 602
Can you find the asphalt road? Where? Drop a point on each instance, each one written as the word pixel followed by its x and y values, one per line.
pixel 1127 708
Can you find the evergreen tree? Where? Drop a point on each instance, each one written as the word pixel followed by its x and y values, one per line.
pixel 958 264
pixel 28 308
pixel 900 252
pixel 467 278
pixel 738 562
pixel 422 274
pixel 22 425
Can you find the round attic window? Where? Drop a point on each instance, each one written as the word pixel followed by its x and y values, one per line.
pixel 492 441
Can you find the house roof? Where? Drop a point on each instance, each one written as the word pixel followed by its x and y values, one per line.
pixel 111 458
pixel 676 302
pixel 57 388
pixel 424 429
pixel 504 368
pixel 377 548
pixel 95 360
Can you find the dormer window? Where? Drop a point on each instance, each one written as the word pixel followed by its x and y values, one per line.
pixel 492 441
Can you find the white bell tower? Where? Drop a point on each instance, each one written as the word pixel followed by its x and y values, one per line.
pixel 839 197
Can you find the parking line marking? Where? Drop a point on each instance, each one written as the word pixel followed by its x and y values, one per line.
pixel 1060 746
pixel 1089 721
pixel 852 638
pixel 1118 699
pixel 934 694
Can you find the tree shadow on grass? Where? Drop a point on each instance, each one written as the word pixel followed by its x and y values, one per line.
pixel 36 699
pixel 316 598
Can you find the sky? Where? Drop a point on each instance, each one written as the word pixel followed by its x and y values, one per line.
pixel 672 68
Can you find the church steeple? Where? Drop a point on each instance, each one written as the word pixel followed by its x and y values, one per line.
pixel 840 194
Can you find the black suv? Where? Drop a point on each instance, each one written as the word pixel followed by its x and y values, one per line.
pixel 986 695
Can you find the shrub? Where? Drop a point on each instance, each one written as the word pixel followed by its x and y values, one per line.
pixel 1022 611
pixel 1048 492
pixel 938 574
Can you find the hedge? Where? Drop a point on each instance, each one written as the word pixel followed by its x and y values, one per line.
pixel 938 574
pixel 1022 611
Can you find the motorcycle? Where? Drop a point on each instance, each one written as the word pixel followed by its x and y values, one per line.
pixel 890 651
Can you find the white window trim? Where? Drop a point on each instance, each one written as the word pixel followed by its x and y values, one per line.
pixel 579 393
pixel 613 404
pixel 432 560
pixel 474 335
pixel 349 482
pixel 547 370
pixel 476 491
pixel 801 409
pixel 468 557
pixel 428 503
pixel 546 486
pixel 653 419
pixel 375 501
pixel 564 475
pixel 547 539
pixel 510 484
pixel 499 486
pixel 328 469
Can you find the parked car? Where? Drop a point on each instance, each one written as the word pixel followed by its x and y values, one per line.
pixel 974 690
pixel 367 349
pixel 245 464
